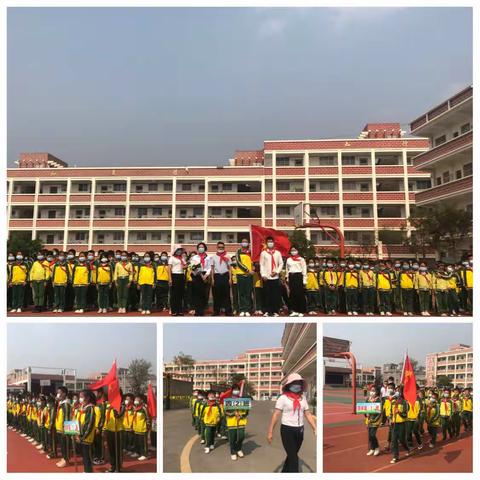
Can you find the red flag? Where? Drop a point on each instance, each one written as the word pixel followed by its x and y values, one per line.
pixel 114 395
pixel 409 382
pixel 107 379
pixel 259 240
pixel 151 402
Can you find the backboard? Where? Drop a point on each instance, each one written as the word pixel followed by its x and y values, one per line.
pixel 298 214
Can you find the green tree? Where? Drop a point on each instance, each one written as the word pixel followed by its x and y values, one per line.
pixel 183 359
pixel 248 388
pixel 443 381
pixel 306 248
pixel 22 242
pixel 139 374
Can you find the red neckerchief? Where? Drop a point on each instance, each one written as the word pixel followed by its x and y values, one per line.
pixel 246 251
pixel 105 269
pixel 296 400
pixel 137 409
pixel 21 265
pixel 202 256
pixel 179 257
pixel 223 257
pixel 410 276
pixel 210 404
pixel 368 275
pixel 273 264
pixel 354 274
pixel 331 276
pixel 296 258
pixel 91 264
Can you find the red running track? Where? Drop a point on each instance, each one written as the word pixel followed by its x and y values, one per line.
pixel 23 457
pixel 345 447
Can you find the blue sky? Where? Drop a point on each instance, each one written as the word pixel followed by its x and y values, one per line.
pixel 215 341
pixel 189 86
pixel 379 343
pixel 88 347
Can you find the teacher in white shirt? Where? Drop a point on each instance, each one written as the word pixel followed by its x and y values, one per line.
pixel 271 264
pixel 296 269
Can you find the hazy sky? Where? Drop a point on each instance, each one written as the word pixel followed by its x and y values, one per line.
pixel 377 343
pixel 189 86
pixel 216 341
pixel 88 347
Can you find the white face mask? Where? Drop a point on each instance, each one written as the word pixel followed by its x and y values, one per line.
pixel 136 402
pixel 127 401
pixel 124 258
pixel 236 392
pixel 294 252
pixel 19 257
pixel 59 396
pixel 270 244
pixel 244 244
pixel 372 394
pixel 90 257
pixel 201 249
pixel 81 400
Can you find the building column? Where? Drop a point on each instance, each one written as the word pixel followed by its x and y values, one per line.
pixel 406 192
pixel 35 209
pixel 9 205
pixel 306 162
pixel 92 210
pixel 274 189
pixel 127 213
pixel 205 212
pixel 67 211
pixel 375 202
pixel 174 209
pixel 340 189
pixel 262 193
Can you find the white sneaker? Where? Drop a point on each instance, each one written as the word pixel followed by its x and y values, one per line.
pixel 207 450
pixel 212 447
pixel 376 452
pixel 370 452
pixel 148 312
pixel 393 460
pixel 19 310
pixel 293 314
pixel 427 314
pixel 382 313
pixel 355 313
pixel 100 310
pixel 349 313
pixel 242 314
pixel 300 315
pixel 410 314
pixel 134 455
pixel 13 310
pixel 233 457
pixel 247 314
pixel 104 310
pixel 144 312
pixel 142 458
pixel 389 314
pixel 120 310
pixel 240 454
pixel 55 310
pixel 404 314
pixel 265 314
pixel 276 315
pixel 202 441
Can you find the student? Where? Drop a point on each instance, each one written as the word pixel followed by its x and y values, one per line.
pixel 17 281
pixel 385 286
pixel 433 419
pixel 245 271
pixel 92 291
pixel 312 289
pixel 271 264
pixel 193 401
pixel 466 276
pixel 104 278
pixel 453 285
pixel 70 293
pixel 80 281
pixel 413 423
pixel 424 288
pixel 210 414
pixel 100 407
pixel 113 428
pixel 177 267
pixel 133 293
pixel 122 277
pixel 351 284
pixel 128 437
pixel 467 410
pixel 441 285
pixel 258 289
pixel 446 411
pixel 48 416
pixel 373 421
pixel 198 420
pixel 63 412
pixel 292 407
pixel 296 277
pixel 60 279
pixel 86 421
pixel 236 422
pixel 456 412
pixel 163 282
pixel 38 277
pixel 330 281
pixel 146 279
pixel 221 281
pixel 387 401
pixel 406 280
pixel 398 419
pixel 141 427
pixel 367 288
pixel 201 265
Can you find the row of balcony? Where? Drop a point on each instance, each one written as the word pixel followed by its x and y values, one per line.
pixel 447 190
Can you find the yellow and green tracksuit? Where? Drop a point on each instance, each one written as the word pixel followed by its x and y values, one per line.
pixel 141 426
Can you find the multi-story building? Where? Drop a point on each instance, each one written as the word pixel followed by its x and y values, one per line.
pixel 365 186
pixel 367 375
pixel 456 363
pixel 449 128
pixel 262 367
pixel 392 370
pixel 337 371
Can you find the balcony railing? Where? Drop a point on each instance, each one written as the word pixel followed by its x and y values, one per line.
pixel 450 189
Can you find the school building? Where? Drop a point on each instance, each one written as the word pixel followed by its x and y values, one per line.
pixel 366 186
pixel 456 363
pixel 367 375
pixel 262 368
pixel 337 371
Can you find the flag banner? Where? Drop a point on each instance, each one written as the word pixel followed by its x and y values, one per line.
pixel 71 427
pixel 259 241
pixel 409 382
pixel 106 380
pixel 362 408
pixel 237 403
pixel 114 395
pixel 151 402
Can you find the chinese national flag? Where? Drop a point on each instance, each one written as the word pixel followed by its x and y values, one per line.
pixel 107 379
pixel 151 402
pixel 258 237
pixel 409 382
pixel 114 395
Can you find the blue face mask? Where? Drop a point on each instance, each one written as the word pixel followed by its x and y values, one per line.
pixel 295 388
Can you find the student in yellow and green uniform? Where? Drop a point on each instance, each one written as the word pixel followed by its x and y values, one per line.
pixel 236 423
pixel 467 409
pixel 100 407
pixel 258 289
pixel 60 279
pixel 446 411
pixel 198 421
pixel 466 276
pixel 48 416
pixel 163 281
pixel 421 413
pixel 384 286
pixel 63 412
pixel 86 421
pixel 234 271
pixel 424 287
pixel 17 281
pixel 103 280
pixel 432 416
pixel 413 426
pixel 123 276
pixel 70 292
pixel 146 279
pixel 141 427
pixel 456 412
pixel 38 276
pixel 330 280
pixel 373 421
pixel 441 285
pixel 312 289
pixel 10 262
pixel 453 288
pixel 351 283
pixel 367 288
pixel 406 280
pixel 193 401
pixel 80 282
pixel 128 437
pixel 244 276
pixel 398 418
pixel 92 293
pixel 113 427
pixel 210 414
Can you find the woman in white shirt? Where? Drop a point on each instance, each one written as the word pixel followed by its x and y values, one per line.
pixel 271 264
pixel 293 408
pixel 177 266
pixel 296 269
pixel 201 267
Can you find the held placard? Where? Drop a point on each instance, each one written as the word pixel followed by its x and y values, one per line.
pixel 368 407
pixel 237 403
pixel 71 427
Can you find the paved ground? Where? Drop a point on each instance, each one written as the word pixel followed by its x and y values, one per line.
pixel 345 444
pixel 23 457
pixel 259 455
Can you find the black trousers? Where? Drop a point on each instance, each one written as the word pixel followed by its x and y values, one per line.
pixel 86 449
pixel 272 296
pixel 297 299
pixel 292 439
pixel 177 291
pixel 115 450
pixel 372 438
pixel 199 295
pixel 221 294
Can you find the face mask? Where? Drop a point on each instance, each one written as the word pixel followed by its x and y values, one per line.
pixel 415 267
pixel 465 264
pixel 135 258
pixel 11 259
pixel 59 396
pixel 146 259
pixel 70 256
pixel 343 264
pixel 244 244
pixel 118 256
pixel 200 397
pixel 81 259
pixel 396 394
pixel 397 265
pixel 90 257
pixel 405 267
pixel 104 260
pixel 127 401
pixel 61 258
pixel 270 245
pixel 295 388
pixel 366 267
pixel 236 392
pixel 19 257
pixel 136 402
pixel 211 399
pixel 350 267
pixel 446 395
pixel 81 399
pixel 201 249
pixel 329 265
pixel 311 265
pixel 449 269
pixel 389 392
pixel 124 258
pixel 220 250
pixel 432 400
pixel 156 259
pixel 163 258
pixel 40 257
pixel 358 266
pixel 423 269
pixel 372 394
pixel 293 253
pixel 75 399
pixel 39 403
pixel 471 263
pixel 49 259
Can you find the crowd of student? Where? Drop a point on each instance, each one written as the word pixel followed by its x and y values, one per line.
pixel 181 283
pixel 212 420
pixel 40 420
pixel 435 411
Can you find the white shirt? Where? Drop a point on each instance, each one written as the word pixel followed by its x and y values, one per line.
pixel 207 264
pixel 176 265
pixel 297 266
pixel 266 264
pixel 290 418
pixel 219 266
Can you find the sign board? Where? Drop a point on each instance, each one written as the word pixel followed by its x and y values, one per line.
pixel 237 403
pixel 71 427
pixel 45 383
pixel 368 407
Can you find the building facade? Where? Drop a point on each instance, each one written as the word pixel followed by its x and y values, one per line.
pixel 367 375
pixel 262 368
pixel 456 363
pixel 366 186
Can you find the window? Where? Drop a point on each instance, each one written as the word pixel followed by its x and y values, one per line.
pixel 197 236
pixel 53 189
pixel 423 184
pixel 365 212
pixel 313 187
pixel 283 161
pixel 78 213
pixel 465 128
pixel 455 134
pixel 156 236
pixel 183 213
pixel 326 160
pixel 214 188
pixel 142 212
pixel 230 238
pixel 440 140
pixel 157 211
pixel 83 187
pixel 50 238
pixel 328 211
pixel 458 174
pixel 80 236
pixel 438 181
pixel 201 188
pixel 181 238
pixel 363 161
pixel 216 236
pixel 142 236
pixel 139 188
pixel 327 186
pixel 227 187
pixel 153 187
pixel 104 188
pixel 282 210
pixel 349 211
pixel 198 211
pixel 216 211
pixel 364 187
pixel 348 160
pixel 468 169
pixel 186 187
pixel 52 214
pixel 349 186
pixel 446 176
pixel 102 213
pixel 119 187
pixel 118 236
pixel 167 187
pixel 283 186
pixel 120 211
pixel 228 213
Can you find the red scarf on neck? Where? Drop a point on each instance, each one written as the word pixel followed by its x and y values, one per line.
pixel 181 259
pixel 273 264
pixel 202 256
pixel 296 257
pixel 210 404
pixel 296 400
pixel 223 257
